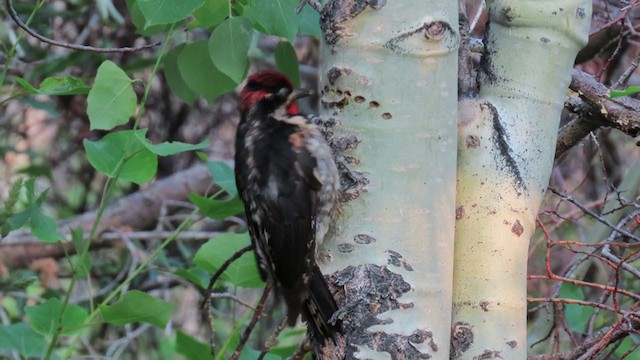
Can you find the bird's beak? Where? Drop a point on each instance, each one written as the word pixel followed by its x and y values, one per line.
pixel 298 93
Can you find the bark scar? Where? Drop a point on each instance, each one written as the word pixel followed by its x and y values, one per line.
pixel 501 139
pixel 336 12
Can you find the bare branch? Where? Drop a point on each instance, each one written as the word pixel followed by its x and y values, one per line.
pixel 594 108
pixel 139 210
pixel 599 218
pixel 315 4
pixel 232 297
pixel 26 28
pixel 221 270
pixel 273 339
pixel 304 349
pixel 254 320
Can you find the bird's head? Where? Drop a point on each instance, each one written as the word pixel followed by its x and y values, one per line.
pixel 272 90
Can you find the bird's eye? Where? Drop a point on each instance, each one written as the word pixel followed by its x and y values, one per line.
pixel 283 93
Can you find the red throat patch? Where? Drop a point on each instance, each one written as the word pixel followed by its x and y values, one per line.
pixel 293 109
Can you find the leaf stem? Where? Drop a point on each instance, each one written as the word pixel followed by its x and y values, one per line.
pixel 14 46
pixel 147 88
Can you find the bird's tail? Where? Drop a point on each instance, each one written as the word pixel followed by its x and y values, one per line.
pixel 319 309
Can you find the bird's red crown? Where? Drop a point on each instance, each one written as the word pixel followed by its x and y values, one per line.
pixel 263 84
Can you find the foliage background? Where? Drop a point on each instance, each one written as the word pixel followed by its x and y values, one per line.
pixel 60 160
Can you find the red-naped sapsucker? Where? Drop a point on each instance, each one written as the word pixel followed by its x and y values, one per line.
pixel 289 183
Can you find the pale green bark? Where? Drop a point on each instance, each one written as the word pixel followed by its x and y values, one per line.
pixel 505 154
pixel 393 91
pixel 396 92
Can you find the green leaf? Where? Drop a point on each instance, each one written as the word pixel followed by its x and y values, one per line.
pixel 191 348
pixel 64 85
pixel 576 315
pixel 139 21
pixel 158 12
pixel 136 306
pixel 277 17
pixel 250 354
pixel 26 85
pixel 228 46
pixel 174 79
pixel 45 317
pixel 9 208
pixel 42 226
pixel 199 72
pixel 212 13
pixel 626 345
pixel 23 339
pixel 81 261
pixel 111 101
pixel 310 22
pixel 288 342
pixel 626 92
pixel 242 272
pixel 287 61
pixel 122 149
pixel 224 176
pixel 217 209
pixel 247 353
pixel 170 147
pixel 36 170
pixel 195 275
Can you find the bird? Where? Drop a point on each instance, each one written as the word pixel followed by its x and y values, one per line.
pixel 289 182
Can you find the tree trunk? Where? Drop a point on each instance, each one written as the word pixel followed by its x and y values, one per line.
pixel 505 154
pixel 389 80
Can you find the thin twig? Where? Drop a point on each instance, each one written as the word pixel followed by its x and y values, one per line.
pixel 583 303
pixel 627 73
pixel 273 339
pixel 25 27
pixel 222 269
pixel 570 199
pixel 117 235
pixel 232 297
pixel 606 250
pixel 116 347
pixel 315 4
pixel 252 323
pixel 305 348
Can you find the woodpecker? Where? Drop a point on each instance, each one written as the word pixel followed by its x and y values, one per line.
pixel 289 183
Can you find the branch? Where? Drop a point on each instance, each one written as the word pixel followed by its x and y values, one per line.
pixel 467 83
pixel 221 270
pixel 273 339
pixel 254 320
pixel 611 334
pixel 304 349
pixel 25 27
pixel 139 210
pixel 234 298
pixel 315 4
pixel 594 215
pixel 595 109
